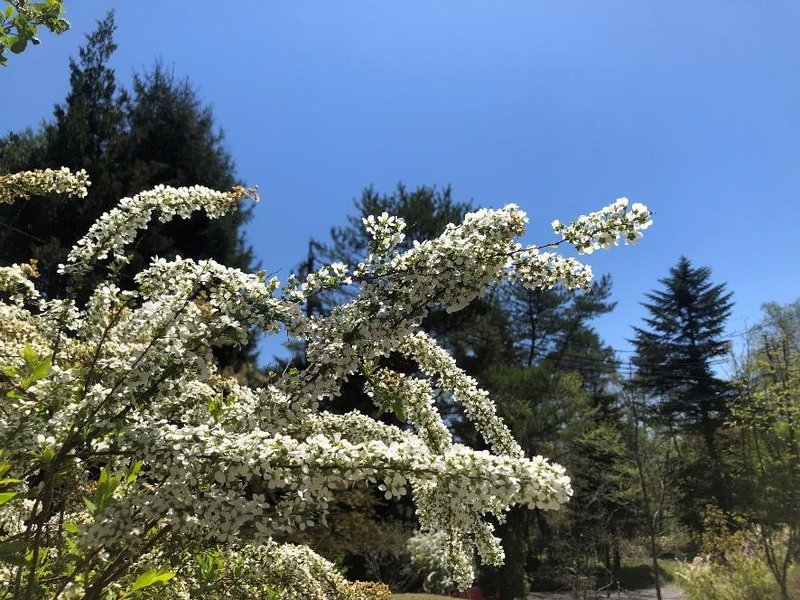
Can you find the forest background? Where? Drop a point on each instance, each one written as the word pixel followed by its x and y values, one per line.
pixel 628 420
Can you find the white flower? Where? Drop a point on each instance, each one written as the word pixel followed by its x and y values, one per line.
pixel 128 378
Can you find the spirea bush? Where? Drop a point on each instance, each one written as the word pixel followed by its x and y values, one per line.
pixel 132 466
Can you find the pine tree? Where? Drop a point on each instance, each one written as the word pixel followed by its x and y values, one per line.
pixel 675 357
pixel 557 397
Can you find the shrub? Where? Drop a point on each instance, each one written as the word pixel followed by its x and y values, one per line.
pixel 132 466
pixel 731 565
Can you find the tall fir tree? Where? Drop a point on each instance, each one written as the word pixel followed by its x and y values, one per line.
pixel 675 357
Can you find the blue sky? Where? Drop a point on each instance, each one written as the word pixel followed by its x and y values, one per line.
pixel 690 107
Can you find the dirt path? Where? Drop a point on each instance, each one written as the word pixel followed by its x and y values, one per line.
pixel 668 592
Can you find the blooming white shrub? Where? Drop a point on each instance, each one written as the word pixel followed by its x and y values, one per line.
pixel 130 461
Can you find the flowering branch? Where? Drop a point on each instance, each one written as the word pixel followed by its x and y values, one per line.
pixel 126 386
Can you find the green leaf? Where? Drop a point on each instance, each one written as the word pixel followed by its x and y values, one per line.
pixel 211 566
pixel 70 527
pixel 106 486
pixel 151 577
pixel 28 353
pixel 7 496
pixel 19 46
pixel 13 552
pixel 91 506
pixel 400 410
pixel 384 407
pixel 9 370
pixel 134 472
pixel 41 369
pixel 48 454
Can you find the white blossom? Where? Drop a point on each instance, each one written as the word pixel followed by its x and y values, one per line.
pixel 126 383
pixel 20 186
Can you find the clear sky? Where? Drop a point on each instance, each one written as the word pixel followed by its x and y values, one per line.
pixel 692 108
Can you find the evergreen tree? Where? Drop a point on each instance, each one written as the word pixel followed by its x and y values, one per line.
pixel 160 133
pixel 675 355
pixel 82 136
pixel 555 325
pixel 170 138
pixel 556 393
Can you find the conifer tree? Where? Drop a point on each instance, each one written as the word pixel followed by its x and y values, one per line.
pixel 82 135
pixel 159 133
pixel 675 356
pixel 556 394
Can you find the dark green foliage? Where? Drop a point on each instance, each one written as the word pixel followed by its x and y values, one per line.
pixel 426 211
pixel 602 481
pixel 159 133
pixel 557 396
pixel 555 326
pixel 170 139
pixel 82 135
pixel 675 357
pixel 675 353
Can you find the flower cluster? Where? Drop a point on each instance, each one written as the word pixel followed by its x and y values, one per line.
pixel 19 186
pixel 133 450
pixel 543 270
pixel 118 227
pixel 386 230
pixel 603 228
pixel 434 361
pixel 15 280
